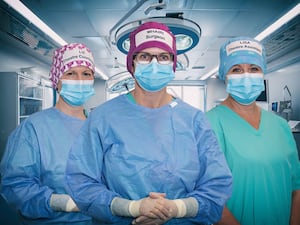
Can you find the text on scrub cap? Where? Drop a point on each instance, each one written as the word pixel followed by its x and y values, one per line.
pixel 244 45
pixel 153 35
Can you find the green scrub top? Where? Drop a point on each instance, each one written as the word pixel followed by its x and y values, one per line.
pixel 264 165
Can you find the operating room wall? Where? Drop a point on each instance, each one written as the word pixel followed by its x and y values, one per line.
pixel 290 77
pixel 99 97
pixel 215 92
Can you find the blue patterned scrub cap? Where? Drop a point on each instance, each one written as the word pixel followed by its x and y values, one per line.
pixel 241 50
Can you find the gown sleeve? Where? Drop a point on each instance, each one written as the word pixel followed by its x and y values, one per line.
pixel 83 175
pixel 20 171
pixel 214 185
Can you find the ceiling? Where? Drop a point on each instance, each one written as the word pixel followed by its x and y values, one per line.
pixel 94 22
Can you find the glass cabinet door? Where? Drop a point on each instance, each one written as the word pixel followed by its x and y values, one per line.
pixel 30 97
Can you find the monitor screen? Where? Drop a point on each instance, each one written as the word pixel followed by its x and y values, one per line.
pixel 264 96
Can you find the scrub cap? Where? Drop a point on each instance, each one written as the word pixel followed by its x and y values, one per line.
pixel 69 56
pixel 241 50
pixel 148 35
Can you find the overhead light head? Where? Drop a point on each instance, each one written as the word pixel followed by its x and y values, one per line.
pixel 187 32
pixel 120 83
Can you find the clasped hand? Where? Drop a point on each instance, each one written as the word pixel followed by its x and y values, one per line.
pixel 155 210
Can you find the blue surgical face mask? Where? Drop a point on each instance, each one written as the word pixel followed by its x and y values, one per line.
pixel 153 77
pixel 77 92
pixel 246 87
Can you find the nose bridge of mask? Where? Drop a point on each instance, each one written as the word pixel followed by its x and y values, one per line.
pixel 246 77
pixel 153 66
pixel 232 75
pixel 77 85
pixel 235 80
pixel 77 82
pixel 245 83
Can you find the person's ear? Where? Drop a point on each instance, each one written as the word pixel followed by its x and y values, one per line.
pixel 133 68
pixel 58 87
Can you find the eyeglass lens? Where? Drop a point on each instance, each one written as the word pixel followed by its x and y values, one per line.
pixel 162 58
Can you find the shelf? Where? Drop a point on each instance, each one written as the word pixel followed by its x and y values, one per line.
pixel 29 106
pixel 30 88
pixel 31 98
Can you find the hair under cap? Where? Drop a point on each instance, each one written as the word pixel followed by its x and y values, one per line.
pixel 69 56
pixel 148 35
pixel 241 50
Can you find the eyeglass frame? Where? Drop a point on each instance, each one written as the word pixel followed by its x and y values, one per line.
pixel 156 56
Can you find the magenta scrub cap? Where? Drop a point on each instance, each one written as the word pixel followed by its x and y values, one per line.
pixel 148 35
pixel 241 50
pixel 69 56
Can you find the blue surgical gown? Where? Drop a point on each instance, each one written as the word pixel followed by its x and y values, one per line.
pixel 127 150
pixel 264 165
pixel 33 167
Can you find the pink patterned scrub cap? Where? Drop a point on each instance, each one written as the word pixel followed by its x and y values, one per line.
pixel 69 56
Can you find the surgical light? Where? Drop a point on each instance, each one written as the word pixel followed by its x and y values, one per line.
pixel 186 31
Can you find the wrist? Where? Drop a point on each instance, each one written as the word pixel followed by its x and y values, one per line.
pixel 59 202
pixel 134 208
pixel 71 206
pixel 181 208
pixel 187 207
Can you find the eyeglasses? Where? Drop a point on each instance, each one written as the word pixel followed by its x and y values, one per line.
pixel 146 58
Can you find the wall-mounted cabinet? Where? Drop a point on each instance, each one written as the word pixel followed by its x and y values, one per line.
pixel 21 96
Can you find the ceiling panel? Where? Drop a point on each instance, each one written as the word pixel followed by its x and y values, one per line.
pixel 91 21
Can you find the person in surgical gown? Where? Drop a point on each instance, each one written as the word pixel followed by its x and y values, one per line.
pixel 33 165
pixel 147 157
pixel 258 145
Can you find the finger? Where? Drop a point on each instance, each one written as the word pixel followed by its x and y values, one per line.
pixel 144 220
pixel 153 215
pixel 157 195
pixel 160 213
pixel 151 222
pixel 163 208
pixel 141 219
pixel 155 222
